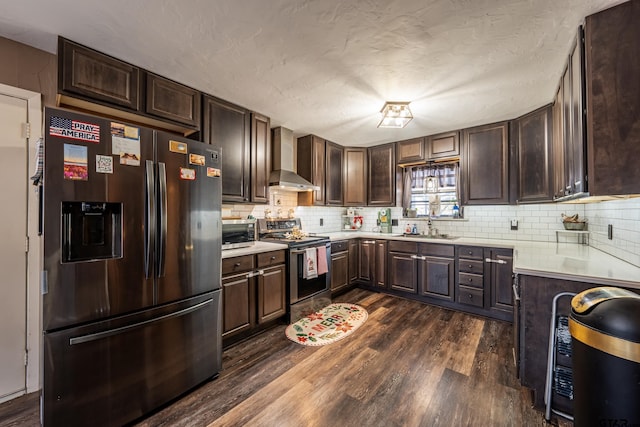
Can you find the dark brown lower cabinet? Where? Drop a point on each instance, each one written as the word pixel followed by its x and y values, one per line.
pixel 237 302
pixel 354 256
pixel 380 267
pixel 253 293
pixel 339 265
pixel 366 256
pixel 403 266
pixel 436 277
pixel 485 281
pixel 403 272
pixel 536 299
pixel 500 281
pixel 272 293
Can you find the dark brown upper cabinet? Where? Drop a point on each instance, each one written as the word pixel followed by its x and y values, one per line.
pixel 354 178
pixel 532 142
pixel 260 157
pixel 170 100
pixel 485 165
pixel 558 176
pixel 411 152
pixel 311 166
pixel 613 100
pixel 382 175
pixel 228 126
pixel 443 146
pixel 571 179
pixel 333 174
pixel 96 76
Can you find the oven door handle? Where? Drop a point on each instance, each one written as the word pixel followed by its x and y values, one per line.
pixel 300 251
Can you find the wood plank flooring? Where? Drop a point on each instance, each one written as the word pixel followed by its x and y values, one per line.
pixel 410 365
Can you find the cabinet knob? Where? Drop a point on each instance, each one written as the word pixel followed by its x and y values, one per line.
pixel 470 279
pixel 470 296
pixel 470 252
pixel 237 264
pixel 470 266
pixel 273 258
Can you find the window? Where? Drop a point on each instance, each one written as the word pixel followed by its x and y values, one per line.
pixel 433 189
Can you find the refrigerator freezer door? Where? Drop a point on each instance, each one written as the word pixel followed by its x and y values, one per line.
pixel 86 162
pixel 111 372
pixel 190 259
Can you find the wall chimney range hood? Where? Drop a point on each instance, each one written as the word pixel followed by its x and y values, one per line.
pixel 282 177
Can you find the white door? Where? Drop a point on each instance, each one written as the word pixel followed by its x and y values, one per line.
pixel 13 258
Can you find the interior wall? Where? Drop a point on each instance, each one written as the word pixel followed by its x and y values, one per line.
pixel 29 68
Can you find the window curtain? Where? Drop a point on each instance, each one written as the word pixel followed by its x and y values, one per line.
pixel 413 177
pixel 406 188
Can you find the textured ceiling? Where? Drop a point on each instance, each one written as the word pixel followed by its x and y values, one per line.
pixel 327 66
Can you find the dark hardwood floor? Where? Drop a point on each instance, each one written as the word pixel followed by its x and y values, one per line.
pixel 410 365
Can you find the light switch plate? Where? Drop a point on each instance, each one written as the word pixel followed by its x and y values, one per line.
pixel 514 224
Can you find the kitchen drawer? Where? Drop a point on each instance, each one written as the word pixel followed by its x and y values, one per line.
pixel 268 259
pixel 475 280
pixel 402 246
pixel 473 252
pixel 237 264
pixel 340 246
pixel 469 266
pixel 437 249
pixel 470 296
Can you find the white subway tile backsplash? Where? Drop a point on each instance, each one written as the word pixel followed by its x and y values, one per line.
pixel 537 222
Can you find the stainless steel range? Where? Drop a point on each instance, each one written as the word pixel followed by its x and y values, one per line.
pixel 309 290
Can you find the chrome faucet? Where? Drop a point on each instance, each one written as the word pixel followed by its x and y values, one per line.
pixel 431 232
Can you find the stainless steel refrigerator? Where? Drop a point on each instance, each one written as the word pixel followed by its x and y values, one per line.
pixel 131 280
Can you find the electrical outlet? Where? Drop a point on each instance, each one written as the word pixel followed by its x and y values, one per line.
pixel 610 232
pixel 394 222
pixel 514 224
pixel 321 222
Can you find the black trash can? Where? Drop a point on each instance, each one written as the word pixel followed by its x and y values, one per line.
pixel 605 331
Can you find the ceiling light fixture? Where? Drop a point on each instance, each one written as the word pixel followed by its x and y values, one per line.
pixel 395 115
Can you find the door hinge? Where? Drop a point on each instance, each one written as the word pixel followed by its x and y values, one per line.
pixel 26 246
pixel 26 357
pixel 26 130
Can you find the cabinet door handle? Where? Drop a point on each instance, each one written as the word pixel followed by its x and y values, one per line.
pixel 369 242
pixel 495 261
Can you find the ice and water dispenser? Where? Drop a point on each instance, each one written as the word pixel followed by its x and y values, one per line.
pixel 91 230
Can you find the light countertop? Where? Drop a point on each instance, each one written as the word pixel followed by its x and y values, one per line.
pixel 256 248
pixel 566 261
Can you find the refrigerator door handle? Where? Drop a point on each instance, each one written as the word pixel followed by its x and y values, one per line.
pixel 162 181
pixel 116 331
pixel 150 217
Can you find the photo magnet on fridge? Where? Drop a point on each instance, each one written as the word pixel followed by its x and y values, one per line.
pixel 104 164
pixel 76 166
pixel 187 174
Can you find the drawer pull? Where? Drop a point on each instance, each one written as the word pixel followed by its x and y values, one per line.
pixel 496 261
pixel 237 264
pixel 273 257
pixel 470 279
pixel 470 296
pixel 470 266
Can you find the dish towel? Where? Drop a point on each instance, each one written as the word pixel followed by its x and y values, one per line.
pixel 310 270
pixel 322 260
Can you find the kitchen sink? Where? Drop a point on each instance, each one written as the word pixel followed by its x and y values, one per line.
pixel 436 237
